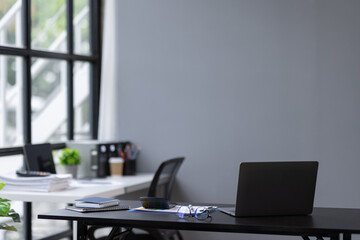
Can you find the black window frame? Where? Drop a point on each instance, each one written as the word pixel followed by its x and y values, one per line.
pixel 94 59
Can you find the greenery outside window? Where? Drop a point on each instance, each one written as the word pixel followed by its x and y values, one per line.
pixel 49 71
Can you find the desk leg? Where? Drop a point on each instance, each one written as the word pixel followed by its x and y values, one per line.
pixel 27 220
pixel 81 231
pixel 335 236
pixel 71 228
pixel 347 236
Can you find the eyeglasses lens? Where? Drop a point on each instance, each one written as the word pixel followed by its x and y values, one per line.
pixel 201 213
pixel 184 212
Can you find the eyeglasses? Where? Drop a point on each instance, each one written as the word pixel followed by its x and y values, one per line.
pixel 200 213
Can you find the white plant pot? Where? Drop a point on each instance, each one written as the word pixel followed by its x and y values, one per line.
pixel 71 169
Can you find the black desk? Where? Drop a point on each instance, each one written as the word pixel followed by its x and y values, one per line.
pixel 326 222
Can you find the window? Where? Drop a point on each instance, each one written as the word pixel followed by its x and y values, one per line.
pixel 48 25
pixel 49 78
pixel 49 71
pixel 10 100
pixel 81 100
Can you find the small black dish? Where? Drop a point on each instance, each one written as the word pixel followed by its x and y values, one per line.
pixel 154 203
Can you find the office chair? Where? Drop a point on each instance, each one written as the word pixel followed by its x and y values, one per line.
pixel 166 172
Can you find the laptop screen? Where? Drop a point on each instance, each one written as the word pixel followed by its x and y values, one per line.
pixel 276 188
pixel 38 157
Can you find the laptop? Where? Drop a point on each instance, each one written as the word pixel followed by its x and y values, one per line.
pixel 38 157
pixel 275 189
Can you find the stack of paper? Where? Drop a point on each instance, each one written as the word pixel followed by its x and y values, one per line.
pixel 51 183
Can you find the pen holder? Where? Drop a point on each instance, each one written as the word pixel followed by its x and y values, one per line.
pixel 130 167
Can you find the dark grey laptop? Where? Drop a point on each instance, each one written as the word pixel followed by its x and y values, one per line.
pixel 275 188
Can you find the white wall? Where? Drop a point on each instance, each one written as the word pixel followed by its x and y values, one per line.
pixel 225 81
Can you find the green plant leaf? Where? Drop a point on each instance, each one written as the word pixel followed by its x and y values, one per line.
pixel 69 157
pixel 4 207
pixel 7 227
pixel 4 200
pixel 2 184
pixel 5 211
pixel 14 215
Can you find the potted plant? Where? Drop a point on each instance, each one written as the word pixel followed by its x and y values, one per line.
pixel 6 211
pixel 69 160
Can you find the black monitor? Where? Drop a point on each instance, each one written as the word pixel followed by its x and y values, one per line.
pixel 38 157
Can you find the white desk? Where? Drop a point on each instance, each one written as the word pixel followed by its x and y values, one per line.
pixel 125 184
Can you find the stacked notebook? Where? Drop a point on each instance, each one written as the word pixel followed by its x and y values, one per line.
pixel 54 182
pixel 97 204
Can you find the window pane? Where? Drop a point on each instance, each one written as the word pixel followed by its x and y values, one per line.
pixel 10 23
pixel 48 31
pixel 10 101
pixel 81 27
pixel 81 100
pixel 48 100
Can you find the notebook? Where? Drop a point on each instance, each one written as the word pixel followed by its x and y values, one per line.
pixel 85 210
pixel 275 188
pixel 96 202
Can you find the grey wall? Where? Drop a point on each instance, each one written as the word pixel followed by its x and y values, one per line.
pixel 225 81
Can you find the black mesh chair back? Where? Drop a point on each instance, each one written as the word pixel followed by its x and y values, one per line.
pixel 163 181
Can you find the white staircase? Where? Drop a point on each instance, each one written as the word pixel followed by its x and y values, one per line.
pixel 49 114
